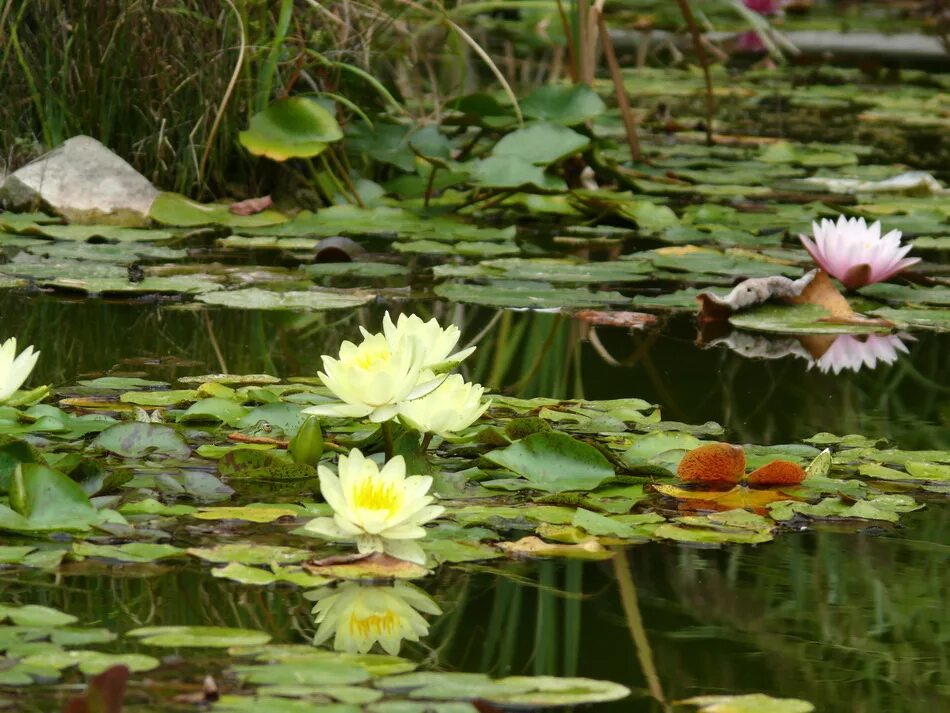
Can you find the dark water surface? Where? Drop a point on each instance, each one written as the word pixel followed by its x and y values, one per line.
pixel 851 622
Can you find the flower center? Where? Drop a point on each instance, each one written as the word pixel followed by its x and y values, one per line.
pixel 369 358
pixel 372 495
pixel 373 624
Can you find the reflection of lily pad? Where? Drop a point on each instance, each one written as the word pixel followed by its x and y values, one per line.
pixel 198 636
pixel 256 298
pixel 537 295
pixel 799 319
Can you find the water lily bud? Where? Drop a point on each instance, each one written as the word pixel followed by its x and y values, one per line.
pixel 307 446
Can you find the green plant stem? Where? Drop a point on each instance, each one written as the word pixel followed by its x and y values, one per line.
pixel 426 440
pixel 344 174
pixel 687 13
pixel 429 185
pixel 387 428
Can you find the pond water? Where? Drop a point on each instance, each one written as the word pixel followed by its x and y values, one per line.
pixel 847 620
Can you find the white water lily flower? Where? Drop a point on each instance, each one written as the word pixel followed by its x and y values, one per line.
pixel 453 406
pixel 14 369
pixel 856 253
pixel 382 510
pixel 373 378
pixel 358 616
pixel 437 343
pixel 850 353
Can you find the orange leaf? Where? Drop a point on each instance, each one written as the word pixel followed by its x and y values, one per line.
pixel 738 497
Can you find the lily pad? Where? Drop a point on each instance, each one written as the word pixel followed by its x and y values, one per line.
pixel 555 462
pixel 291 128
pixel 198 636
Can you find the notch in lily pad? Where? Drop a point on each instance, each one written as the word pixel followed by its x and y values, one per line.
pixel 295 127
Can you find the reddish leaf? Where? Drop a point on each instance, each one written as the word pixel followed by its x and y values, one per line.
pixel 630 320
pixel 738 497
pixel 105 693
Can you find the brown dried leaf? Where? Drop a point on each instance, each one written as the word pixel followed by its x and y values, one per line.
pixel 251 206
pixel 532 546
pixel 630 320
pixel 753 292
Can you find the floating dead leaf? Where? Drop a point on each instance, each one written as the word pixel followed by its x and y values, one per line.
pixel 531 546
pixel 628 320
pixel 251 206
pixel 372 566
pixel 752 292
pixel 778 472
pixel 105 693
pixel 738 497
pixel 714 462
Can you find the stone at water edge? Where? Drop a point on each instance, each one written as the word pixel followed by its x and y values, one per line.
pixel 84 182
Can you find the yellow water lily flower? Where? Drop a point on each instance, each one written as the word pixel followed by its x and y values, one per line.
pixel 373 378
pixel 437 343
pixel 382 510
pixel 357 616
pixel 14 369
pixel 455 405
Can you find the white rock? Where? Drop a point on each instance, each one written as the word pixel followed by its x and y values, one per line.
pixel 84 182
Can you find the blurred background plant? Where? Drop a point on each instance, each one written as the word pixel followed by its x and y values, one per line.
pixel 169 84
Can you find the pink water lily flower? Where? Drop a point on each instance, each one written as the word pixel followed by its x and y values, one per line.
pixel 856 253
pixel 851 353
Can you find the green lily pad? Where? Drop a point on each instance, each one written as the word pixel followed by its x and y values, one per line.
pixel 295 127
pixel 138 440
pixel 198 636
pixel 539 144
pixel 563 104
pixel 799 319
pixel 535 295
pixel 175 209
pixel 554 462
pixel 749 703
pixel 131 552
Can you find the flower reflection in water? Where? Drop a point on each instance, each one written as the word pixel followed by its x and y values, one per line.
pixel 854 353
pixel 357 615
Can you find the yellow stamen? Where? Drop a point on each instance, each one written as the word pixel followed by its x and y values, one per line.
pixel 373 624
pixel 370 357
pixel 374 495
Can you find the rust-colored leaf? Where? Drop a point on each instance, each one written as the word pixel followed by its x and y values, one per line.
pixel 251 206
pixel 821 291
pixel 714 462
pixel 630 320
pixel 778 472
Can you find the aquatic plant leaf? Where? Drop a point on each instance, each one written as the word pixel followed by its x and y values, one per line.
pixel 140 440
pixel 177 210
pixel 294 127
pixel 198 636
pixel 597 524
pixel 248 463
pixel 540 144
pixel 43 499
pixel 215 409
pixel 554 462
pixel 537 295
pixel 255 512
pixel 129 552
pixel 34 615
pixel 246 574
pixel 937 320
pixel 278 704
pixel 563 104
pixel 304 672
pixel 749 703
pixel 802 319
pixel 313 299
pixel 650 217
pixel 251 553
pixel 513 172
pixel 92 662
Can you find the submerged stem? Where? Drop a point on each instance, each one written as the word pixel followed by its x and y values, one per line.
pixel 628 597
